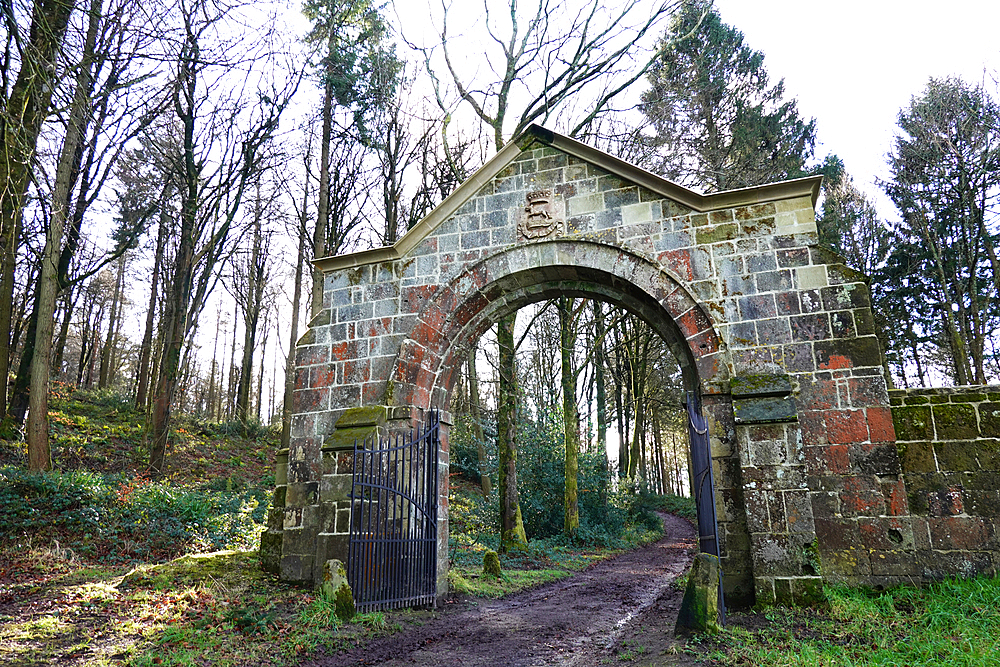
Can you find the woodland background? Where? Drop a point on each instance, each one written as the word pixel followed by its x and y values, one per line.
pixel 169 168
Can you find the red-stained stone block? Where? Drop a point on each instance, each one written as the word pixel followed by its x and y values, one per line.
pixel 323 376
pixel 376 327
pixel 421 397
pixel 861 496
pixel 838 459
pixel 310 400
pixel 434 317
pixel 845 426
pixel 896 503
pixel 835 361
pixel 469 309
pixel 425 335
pixel 312 355
pixel 960 532
pixel 372 393
pixel 342 350
pixel 709 366
pixel 704 343
pixel 946 502
pixel 677 262
pixel 357 371
pixel 817 394
pixel 690 324
pixel 880 424
pixel 678 303
pixel 447 299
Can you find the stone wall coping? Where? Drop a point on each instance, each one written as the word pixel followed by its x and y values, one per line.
pixel 793 189
pixel 945 391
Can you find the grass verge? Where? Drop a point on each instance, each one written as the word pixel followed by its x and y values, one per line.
pixel 954 623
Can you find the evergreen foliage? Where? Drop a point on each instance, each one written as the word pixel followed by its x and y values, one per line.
pixel 718 121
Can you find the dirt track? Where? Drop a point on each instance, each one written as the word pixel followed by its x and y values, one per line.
pixel 575 621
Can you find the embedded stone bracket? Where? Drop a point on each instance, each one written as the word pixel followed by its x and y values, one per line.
pixel 763 399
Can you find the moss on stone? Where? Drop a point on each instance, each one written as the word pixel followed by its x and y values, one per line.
pixel 336 590
pixel 700 608
pixel 955 422
pixel 912 422
pixel 365 415
pixel 491 564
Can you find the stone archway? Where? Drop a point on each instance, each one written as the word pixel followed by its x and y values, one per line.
pixel 775 332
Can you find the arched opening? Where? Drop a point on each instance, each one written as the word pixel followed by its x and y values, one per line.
pixel 456 316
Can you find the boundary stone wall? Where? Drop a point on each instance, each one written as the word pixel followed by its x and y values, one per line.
pixel 949 447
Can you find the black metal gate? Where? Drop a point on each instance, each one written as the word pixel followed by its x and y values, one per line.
pixel 392 559
pixel 704 487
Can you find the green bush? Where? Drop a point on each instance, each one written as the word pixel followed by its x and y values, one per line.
pixel 119 518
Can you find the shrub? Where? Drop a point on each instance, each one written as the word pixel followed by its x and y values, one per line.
pixel 122 518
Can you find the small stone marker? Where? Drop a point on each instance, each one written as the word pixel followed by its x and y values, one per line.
pixel 700 608
pixel 491 564
pixel 336 588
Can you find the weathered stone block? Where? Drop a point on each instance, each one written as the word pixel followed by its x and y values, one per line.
pixel 700 607
pixel 955 422
pixel 764 410
pixel 913 422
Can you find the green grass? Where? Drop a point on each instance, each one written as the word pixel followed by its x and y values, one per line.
pixel 954 623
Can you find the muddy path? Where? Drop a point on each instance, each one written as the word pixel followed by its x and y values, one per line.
pixel 573 622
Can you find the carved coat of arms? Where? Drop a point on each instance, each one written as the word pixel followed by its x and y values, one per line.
pixel 540 218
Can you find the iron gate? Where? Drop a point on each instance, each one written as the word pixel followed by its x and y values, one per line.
pixel 392 558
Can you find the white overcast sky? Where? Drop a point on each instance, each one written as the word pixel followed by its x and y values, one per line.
pixel 854 64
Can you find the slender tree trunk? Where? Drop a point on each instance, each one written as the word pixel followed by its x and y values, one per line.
pixel 69 300
pixel 293 336
pixel 477 424
pixel 323 208
pixel 37 433
pixel 511 524
pixel 142 391
pixel 251 318
pixel 571 420
pixel 108 354
pixel 602 399
pixel 260 379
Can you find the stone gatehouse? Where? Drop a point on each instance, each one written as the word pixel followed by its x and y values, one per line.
pixel 773 332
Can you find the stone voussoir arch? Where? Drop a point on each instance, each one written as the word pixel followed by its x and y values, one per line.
pixel 457 314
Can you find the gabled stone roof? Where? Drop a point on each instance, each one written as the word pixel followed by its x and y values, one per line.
pixel 536 134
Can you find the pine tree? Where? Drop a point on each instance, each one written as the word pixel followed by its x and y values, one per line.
pixel 718 122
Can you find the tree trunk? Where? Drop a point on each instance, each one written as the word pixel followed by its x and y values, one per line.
pixel 477 424
pixel 286 408
pixel 37 433
pixel 571 421
pixel 20 125
pixel 251 318
pixel 108 354
pixel 511 524
pixel 602 399
pixel 323 207
pixel 142 392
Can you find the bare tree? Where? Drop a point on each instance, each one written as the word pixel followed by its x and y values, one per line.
pixel 226 127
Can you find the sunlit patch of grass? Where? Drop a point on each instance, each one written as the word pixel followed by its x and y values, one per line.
pixel 955 622
pixel 510 581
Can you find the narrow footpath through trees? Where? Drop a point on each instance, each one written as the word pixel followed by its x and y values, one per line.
pixel 623 604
